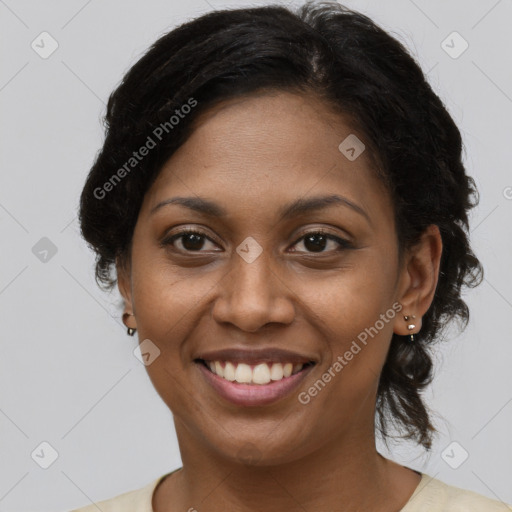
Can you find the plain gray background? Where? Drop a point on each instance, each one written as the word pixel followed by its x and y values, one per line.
pixel 68 374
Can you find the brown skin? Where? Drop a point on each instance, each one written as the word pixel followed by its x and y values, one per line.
pixel 252 156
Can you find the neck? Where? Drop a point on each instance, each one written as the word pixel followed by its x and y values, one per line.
pixel 348 470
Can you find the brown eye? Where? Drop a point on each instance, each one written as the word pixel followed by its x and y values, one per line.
pixel 191 240
pixel 317 241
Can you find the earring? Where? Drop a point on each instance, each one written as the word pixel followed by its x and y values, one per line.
pixel 130 331
pixel 410 326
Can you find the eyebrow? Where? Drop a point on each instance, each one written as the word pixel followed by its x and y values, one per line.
pixel 300 206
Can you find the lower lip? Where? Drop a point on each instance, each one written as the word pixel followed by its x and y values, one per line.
pixel 253 394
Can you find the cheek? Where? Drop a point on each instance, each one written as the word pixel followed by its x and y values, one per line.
pixel 166 305
pixel 354 311
pixel 356 319
pixel 166 295
pixel 352 298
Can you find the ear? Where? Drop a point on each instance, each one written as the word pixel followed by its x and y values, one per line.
pixel 125 289
pixel 418 280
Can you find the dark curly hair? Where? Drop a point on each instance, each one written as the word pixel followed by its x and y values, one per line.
pixel 359 71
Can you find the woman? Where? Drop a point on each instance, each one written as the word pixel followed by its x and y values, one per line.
pixel 283 200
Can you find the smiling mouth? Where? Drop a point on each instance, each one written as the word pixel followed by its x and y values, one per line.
pixel 257 374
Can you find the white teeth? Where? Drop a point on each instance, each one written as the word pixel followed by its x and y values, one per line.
pixel 261 373
pixel 276 372
pixel 218 369
pixel 229 372
pixel 243 373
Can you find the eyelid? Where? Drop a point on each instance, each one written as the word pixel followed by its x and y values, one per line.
pixel 168 240
pixel 343 243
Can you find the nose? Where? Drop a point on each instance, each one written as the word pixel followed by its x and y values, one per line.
pixel 253 295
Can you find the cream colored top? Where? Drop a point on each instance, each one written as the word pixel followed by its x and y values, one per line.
pixel 431 495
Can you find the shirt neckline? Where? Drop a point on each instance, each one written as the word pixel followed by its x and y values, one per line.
pixel 425 479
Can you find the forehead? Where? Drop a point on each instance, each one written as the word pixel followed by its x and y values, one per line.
pixel 269 148
pixel 295 127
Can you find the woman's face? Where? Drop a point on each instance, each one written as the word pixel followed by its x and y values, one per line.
pixel 256 280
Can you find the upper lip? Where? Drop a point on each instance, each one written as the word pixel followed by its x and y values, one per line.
pixel 263 355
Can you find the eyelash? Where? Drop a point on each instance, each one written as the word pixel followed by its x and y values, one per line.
pixel 344 244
